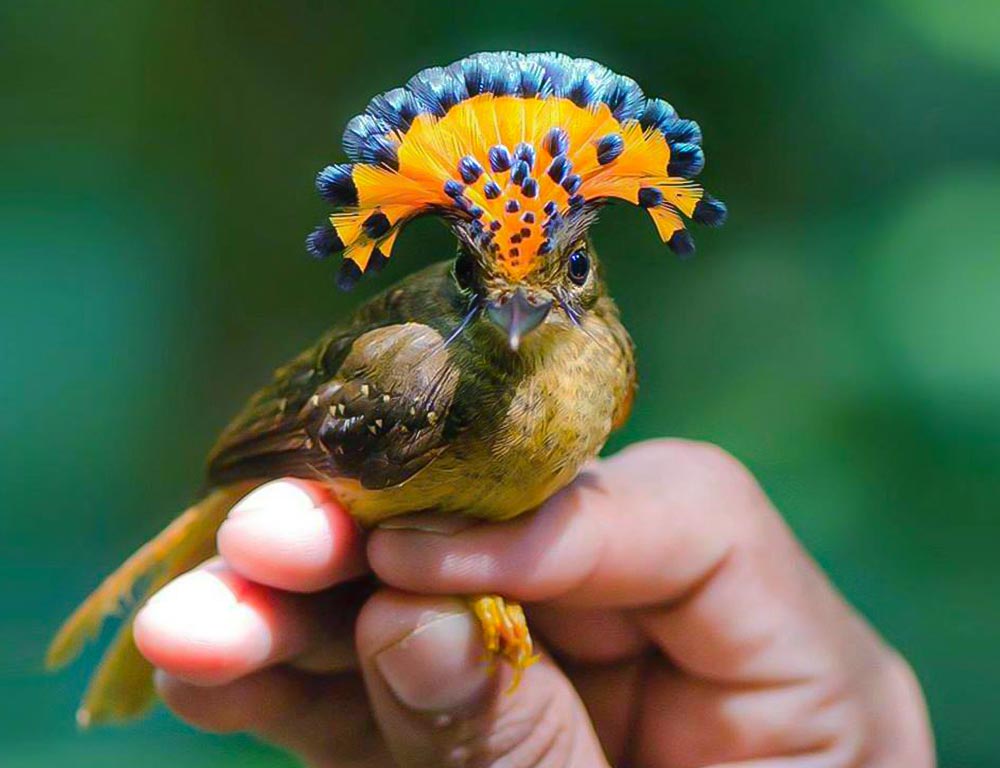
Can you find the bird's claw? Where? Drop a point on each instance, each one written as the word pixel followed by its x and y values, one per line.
pixel 505 634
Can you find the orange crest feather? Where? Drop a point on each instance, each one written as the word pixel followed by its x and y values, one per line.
pixel 510 161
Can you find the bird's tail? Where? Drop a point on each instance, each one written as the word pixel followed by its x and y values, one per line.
pixel 122 686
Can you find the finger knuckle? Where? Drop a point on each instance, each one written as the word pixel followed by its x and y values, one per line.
pixel 898 723
pixel 699 461
pixel 703 476
pixel 857 710
pixel 713 464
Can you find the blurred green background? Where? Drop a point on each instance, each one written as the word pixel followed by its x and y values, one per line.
pixel 841 335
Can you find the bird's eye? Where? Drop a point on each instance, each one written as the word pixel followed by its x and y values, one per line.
pixel 464 269
pixel 579 267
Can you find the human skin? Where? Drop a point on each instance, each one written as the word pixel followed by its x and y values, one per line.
pixel 681 625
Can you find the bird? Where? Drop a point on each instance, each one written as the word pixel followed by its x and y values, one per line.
pixel 482 384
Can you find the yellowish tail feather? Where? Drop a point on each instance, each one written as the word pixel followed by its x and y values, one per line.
pixel 122 686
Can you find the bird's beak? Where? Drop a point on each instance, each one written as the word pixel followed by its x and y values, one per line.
pixel 517 315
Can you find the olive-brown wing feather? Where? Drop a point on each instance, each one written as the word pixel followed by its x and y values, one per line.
pixel 379 419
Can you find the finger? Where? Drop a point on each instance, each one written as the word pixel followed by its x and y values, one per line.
pixel 678 528
pixel 292 535
pixel 873 716
pixel 323 719
pixel 687 721
pixel 211 626
pixel 612 695
pixel 437 703
pixel 634 530
pixel 588 635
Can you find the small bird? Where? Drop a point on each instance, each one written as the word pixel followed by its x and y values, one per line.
pixel 479 386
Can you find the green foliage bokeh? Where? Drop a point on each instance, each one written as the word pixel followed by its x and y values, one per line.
pixel 841 334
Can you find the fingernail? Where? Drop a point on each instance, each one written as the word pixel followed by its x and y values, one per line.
pixel 429 522
pixel 201 613
pixel 278 494
pixel 288 533
pixel 438 666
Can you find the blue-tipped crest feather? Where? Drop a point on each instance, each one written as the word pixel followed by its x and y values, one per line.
pixel 323 241
pixel 679 129
pixel 710 212
pixel 681 243
pixel 436 89
pixel 348 275
pixel 657 114
pixel 533 82
pixel 335 185
pixel 357 132
pixel 686 160
pixel 397 108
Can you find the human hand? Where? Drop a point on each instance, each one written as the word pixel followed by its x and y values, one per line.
pixel 682 625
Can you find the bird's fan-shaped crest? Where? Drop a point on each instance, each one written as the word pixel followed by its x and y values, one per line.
pixel 511 148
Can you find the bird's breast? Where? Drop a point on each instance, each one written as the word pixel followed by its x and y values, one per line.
pixel 524 437
pixel 558 419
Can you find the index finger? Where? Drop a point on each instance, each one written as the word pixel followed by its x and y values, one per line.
pixel 677 534
pixel 634 530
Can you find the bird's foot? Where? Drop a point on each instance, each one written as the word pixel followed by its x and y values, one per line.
pixel 505 633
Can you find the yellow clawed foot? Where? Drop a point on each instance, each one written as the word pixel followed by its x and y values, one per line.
pixel 505 633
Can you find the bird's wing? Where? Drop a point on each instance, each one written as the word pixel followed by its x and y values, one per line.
pixel 379 417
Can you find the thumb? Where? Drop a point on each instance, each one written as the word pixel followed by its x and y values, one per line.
pixel 437 703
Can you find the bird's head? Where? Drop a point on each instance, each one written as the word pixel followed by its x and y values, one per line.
pixel 517 152
pixel 557 293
